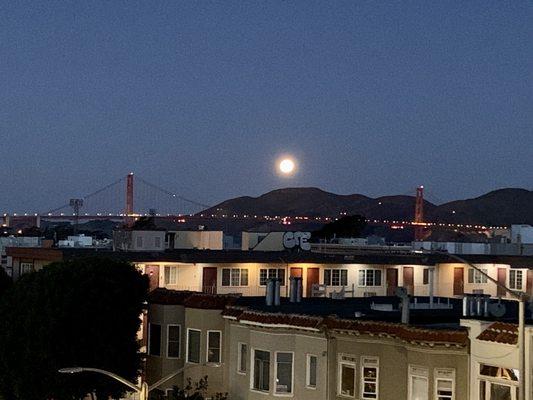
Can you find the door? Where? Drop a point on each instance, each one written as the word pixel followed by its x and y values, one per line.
pixel 312 278
pixel 458 281
pixel 392 281
pixel 408 280
pixel 502 278
pixel 296 272
pixel 153 274
pixel 209 280
pixel 529 282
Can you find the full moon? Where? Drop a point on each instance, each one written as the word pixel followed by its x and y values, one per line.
pixel 286 166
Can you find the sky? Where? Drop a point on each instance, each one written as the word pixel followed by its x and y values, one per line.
pixel 201 97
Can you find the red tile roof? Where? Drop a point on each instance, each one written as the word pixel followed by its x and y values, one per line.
pixel 280 319
pixel 500 332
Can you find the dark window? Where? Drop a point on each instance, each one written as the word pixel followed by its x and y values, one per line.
pixel 213 346
pixel 425 279
pixel 155 340
pixel 261 378
pixel 226 276
pixel 193 346
pixel 173 341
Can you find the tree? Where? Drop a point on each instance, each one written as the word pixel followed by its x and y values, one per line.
pixel 345 227
pixel 191 391
pixel 5 281
pixel 80 313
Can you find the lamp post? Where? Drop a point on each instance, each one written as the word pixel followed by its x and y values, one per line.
pixel 143 389
pixel 522 298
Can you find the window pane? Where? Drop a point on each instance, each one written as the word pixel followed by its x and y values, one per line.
pixel 194 347
pixel 327 277
pixel 261 377
pixel 225 276
pixel 335 277
pixel 370 277
pixel 173 341
pixel 262 276
pixel 213 350
pixel 235 276
pixel 362 278
pixel 419 388
pixel 244 277
pixel 377 277
pixel 155 339
pixel 347 380
pixel 281 275
pixel 312 360
pixel 344 277
pixel 243 356
pixel 284 373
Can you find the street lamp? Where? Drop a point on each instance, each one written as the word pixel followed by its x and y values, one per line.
pixel 521 297
pixel 143 389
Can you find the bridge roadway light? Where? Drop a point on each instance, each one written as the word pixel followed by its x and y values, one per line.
pixel 521 297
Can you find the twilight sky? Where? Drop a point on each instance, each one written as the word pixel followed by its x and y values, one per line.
pixel 202 97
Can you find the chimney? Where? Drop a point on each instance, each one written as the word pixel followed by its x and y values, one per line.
pixel 273 289
pixel 295 289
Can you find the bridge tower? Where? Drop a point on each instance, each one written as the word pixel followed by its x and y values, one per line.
pixel 128 211
pixel 419 213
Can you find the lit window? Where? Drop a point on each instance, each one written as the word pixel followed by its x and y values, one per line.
pixel 213 346
pixel 242 357
pixel 234 277
pixel 312 363
pixel 369 377
pixel 171 275
pixel 26 268
pixel 444 384
pixel 418 383
pixel 265 274
pixel 193 345
pixel 284 372
pixel 336 277
pixel 475 276
pixel 370 277
pixel 346 377
pixel 515 279
pixel 154 339
pixel 261 371
pixel 173 341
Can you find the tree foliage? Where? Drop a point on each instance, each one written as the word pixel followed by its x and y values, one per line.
pixel 83 313
pixel 191 391
pixel 5 281
pixel 346 227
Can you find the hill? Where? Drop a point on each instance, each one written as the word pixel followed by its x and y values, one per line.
pixel 499 207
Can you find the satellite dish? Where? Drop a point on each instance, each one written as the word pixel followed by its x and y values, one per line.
pixel 497 309
pixel 401 292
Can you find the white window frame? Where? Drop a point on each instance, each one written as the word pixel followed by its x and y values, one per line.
pixel 418 372
pixel 239 358
pixel 240 277
pixel 369 362
pixel 365 276
pixel 490 380
pixel 25 264
pixel 179 341
pixel 252 371
pixel 308 371
pixel 331 271
pixel 477 277
pixel 444 374
pixel 515 272
pixel 199 348
pixel 220 349
pixel 171 268
pixel 351 363
pixel 283 394
pixel 149 336
pixel 268 275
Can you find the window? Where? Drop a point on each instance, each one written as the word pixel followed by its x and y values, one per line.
pixel 425 276
pixel 498 383
pixel 418 383
pixel 312 363
pixel 336 277
pixel 173 341
pixel 261 371
pixel 516 279
pixel 154 339
pixel 284 373
pixel 193 345
pixel 214 344
pixel 234 277
pixel 444 384
pixel 369 377
pixel 171 275
pixel 474 276
pixel 370 277
pixel 139 242
pixel 157 242
pixel 26 267
pixel 346 377
pixel 266 274
pixel 242 357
